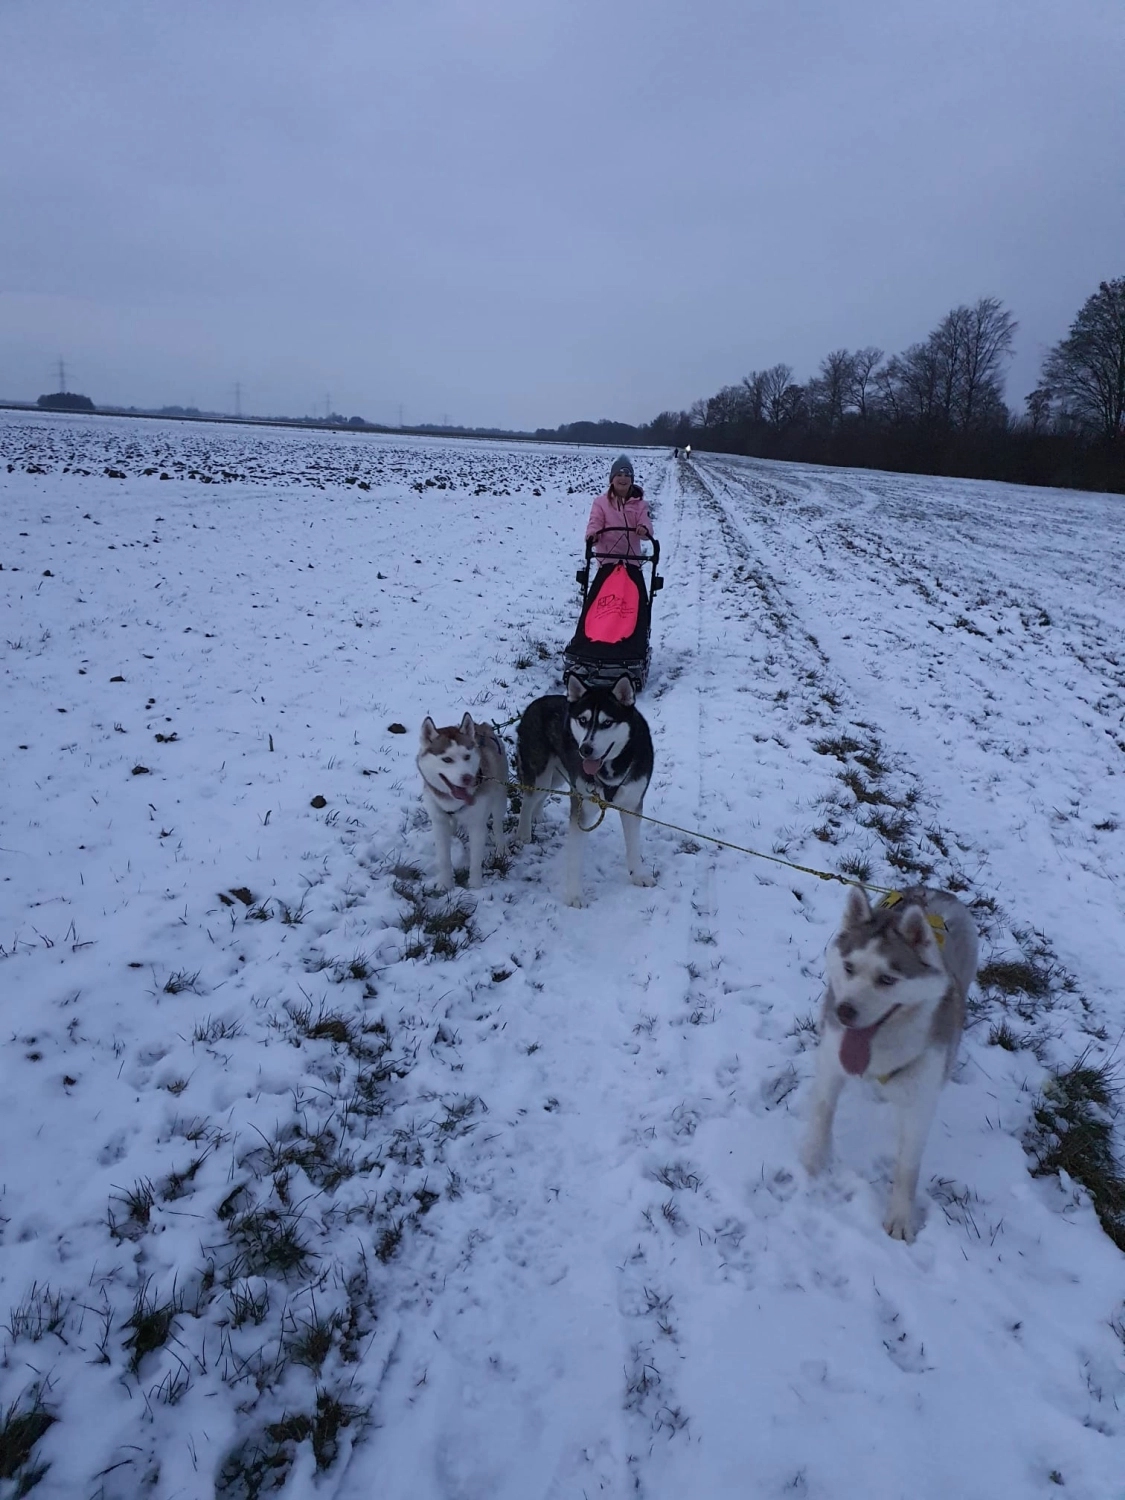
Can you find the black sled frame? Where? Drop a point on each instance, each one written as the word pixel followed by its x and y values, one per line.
pixel 603 665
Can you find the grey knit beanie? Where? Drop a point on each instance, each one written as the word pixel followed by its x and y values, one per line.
pixel 621 465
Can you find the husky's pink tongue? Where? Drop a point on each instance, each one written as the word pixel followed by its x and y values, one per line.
pixel 591 767
pixel 855 1047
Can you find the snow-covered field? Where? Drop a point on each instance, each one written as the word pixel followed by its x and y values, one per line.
pixel 315 1182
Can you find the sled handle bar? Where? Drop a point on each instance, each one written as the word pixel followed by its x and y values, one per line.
pixel 592 542
pixel 583 574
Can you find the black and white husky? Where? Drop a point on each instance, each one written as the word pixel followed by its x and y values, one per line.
pixel 464 783
pixel 893 1013
pixel 596 741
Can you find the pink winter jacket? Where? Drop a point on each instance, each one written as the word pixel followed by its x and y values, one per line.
pixel 605 511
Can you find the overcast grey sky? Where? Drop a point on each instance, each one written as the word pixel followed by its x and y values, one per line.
pixel 524 212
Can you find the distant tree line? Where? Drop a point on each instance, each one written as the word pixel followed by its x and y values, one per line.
pixel 65 401
pixel 936 408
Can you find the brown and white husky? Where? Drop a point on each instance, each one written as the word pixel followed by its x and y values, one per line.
pixel 464 783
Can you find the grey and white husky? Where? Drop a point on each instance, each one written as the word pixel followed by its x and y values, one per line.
pixel 595 740
pixel 464 784
pixel 893 1012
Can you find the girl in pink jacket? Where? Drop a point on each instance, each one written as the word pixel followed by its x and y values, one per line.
pixel 623 504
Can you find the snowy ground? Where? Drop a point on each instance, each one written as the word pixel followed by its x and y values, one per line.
pixel 316 1182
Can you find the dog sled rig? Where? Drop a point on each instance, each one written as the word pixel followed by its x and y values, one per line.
pixel 612 639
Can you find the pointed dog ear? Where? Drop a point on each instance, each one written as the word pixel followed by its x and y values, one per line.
pixel 857 908
pixel 429 731
pixel 467 726
pixel 914 929
pixel 575 687
pixel 623 692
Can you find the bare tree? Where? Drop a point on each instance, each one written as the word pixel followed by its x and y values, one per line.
pixel 727 407
pixel 792 407
pixel 987 332
pixel 912 384
pixel 864 363
pixel 954 379
pixel 1085 373
pixel 777 401
pixel 1038 404
pixel 668 426
pixel 830 392
pixel 944 365
pixel 889 391
pixel 754 386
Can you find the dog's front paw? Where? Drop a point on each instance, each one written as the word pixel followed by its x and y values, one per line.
pixel 642 877
pixel 899 1222
pixel 574 898
pixel 444 884
pixel 814 1155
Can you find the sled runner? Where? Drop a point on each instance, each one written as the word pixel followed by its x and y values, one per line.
pixel 612 638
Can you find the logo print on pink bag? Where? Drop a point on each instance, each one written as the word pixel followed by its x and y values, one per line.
pixel 613 615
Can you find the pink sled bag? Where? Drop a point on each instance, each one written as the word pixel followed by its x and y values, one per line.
pixel 613 615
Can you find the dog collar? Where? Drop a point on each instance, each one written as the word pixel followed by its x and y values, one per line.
pixel 884 1078
pixel 607 790
pixel 606 781
pixel 455 797
pixel 856 1041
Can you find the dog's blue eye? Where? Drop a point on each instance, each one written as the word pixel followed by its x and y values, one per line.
pixel 886 980
pixel 448 759
pixel 849 968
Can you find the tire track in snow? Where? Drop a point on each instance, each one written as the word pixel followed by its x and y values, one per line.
pixel 693 1227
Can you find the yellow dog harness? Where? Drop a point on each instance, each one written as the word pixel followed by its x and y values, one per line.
pixel 893 898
